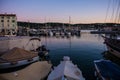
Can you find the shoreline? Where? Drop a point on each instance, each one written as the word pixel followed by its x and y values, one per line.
pixel 35 71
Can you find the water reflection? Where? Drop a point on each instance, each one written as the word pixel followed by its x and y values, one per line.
pixel 83 50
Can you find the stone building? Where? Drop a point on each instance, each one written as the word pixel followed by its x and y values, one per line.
pixel 8 24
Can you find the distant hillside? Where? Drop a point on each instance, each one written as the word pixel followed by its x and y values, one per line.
pixel 63 25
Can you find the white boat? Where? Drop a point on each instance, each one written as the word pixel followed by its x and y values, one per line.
pixel 57 34
pixel 66 70
pixel 17 57
pixel 62 34
pixel 18 63
pixel 50 33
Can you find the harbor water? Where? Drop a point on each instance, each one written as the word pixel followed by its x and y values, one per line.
pixel 82 50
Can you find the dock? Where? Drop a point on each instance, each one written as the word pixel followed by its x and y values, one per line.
pixel 36 71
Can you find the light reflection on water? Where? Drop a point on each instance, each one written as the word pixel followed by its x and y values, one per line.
pixel 83 50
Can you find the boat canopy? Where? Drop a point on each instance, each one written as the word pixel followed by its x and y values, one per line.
pixel 108 69
pixel 17 54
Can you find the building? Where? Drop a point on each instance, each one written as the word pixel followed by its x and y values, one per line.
pixel 8 24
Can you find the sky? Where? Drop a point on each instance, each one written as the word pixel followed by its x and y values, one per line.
pixel 80 11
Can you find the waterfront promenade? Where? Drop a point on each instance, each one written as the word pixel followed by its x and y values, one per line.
pixel 35 71
pixel 24 42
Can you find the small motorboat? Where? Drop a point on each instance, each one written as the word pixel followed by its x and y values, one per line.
pixel 113 45
pixel 66 70
pixel 107 70
pixel 17 57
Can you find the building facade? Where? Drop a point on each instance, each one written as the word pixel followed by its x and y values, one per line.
pixel 8 24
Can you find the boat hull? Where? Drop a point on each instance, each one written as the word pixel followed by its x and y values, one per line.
pixel 66 70
pixel 113 51
pixel 113 46
pixel 19 63
pixel 106 70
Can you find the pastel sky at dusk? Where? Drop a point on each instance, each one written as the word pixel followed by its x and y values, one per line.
pixel 81 11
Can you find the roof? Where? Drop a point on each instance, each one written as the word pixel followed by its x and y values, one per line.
pixel 7 14
pixel 17 54
pixel 108 69
pixel 67 69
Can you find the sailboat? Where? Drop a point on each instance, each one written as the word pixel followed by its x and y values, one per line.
pixel 105 69
pixel 113 40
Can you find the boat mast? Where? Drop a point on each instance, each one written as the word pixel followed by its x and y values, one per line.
pixel 70 36
pixel 45 32
pixel 69 22
pixel 28 28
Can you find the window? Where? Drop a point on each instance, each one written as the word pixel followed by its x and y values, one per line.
pixel 7 20
pixel 13 30
pixel 2 25
pixel 8 17
pixel 13 17
pixel 13 20
pixel 13 25
pixel 2 17
pixel 2 20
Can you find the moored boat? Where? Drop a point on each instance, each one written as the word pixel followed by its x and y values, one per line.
pixel 113 45
pixel 17 57
pixel 66 70
pixel 107 70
